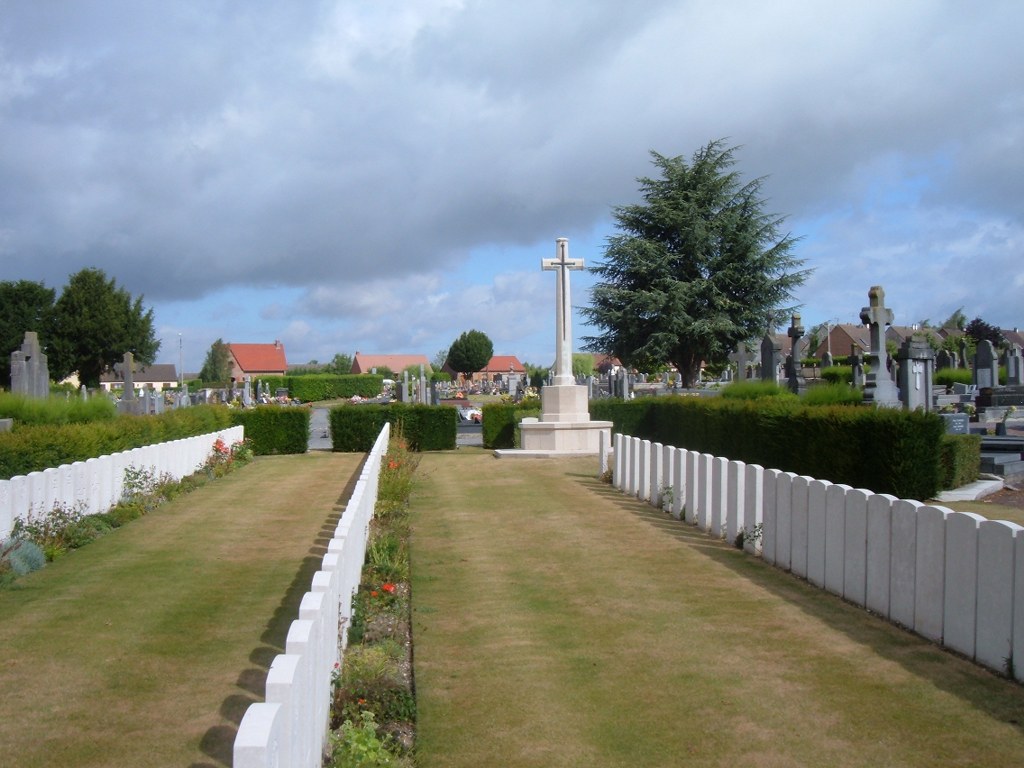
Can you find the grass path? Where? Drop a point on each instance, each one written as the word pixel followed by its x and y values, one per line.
pixel 146 647
pixel 557 623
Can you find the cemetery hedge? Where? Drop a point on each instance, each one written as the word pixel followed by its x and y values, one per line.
pixel 885 450
pixel 424 427
pixel 960 460
pixel 500 421
pixel 949 376
pixel 274 429
pixel 316 387
pixel 30 448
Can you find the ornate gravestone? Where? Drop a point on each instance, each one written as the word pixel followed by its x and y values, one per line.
pixel 564 426
pixel 857 366
pixel 917 365
pixel 879 388
pixel 771 353
pixel 986 365
pixel 30 375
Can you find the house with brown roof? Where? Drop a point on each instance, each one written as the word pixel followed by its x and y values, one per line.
pixel 842 338
pixel 363 363
pixel 257 360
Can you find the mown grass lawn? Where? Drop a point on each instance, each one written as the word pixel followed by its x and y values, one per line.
pixel 558 623
pixel 145 647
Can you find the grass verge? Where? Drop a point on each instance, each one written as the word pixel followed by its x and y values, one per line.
pixel 146 647
pixel 557 622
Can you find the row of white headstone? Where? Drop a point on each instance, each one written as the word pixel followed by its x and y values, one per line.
pixel 290 727
pixel 955 578
pixel 96 485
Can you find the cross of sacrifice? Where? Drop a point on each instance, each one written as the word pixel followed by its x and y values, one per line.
pixel 563 309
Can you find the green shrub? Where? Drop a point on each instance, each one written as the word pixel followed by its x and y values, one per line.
pixel 34 448
pixel 274 429
pixel 354 428
pixel 947 377
pixel 838 374
pixel 754 390
pixel 55 410
pixel 887 450
pixel 832 394
pixel 960 460
pixel 311 388
pixel 500 425
pixel 21 556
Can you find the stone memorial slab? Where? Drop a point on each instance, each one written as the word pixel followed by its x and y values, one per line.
pixel 753 507
pixel 769 527
pixel 986 365
pixel 784 520
pixel 994 638
pixel 644 483
pixel 693 491
pixel 679 482
pixel 916 372
pixel 817 502
pixel 903 561
pixel 961 587
pixel 957 423
pixel 799 521
pixel 771 358
pixel 719 486
pixel 668 465
pixel 835 537
pixel 734 498
pixel 655 487
pixel 855 545
pixel 706 500
pixel 929 575
pixel 879 554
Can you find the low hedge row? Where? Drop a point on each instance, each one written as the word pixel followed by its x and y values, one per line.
pixel 275 429
pixel 35 448
pixel 500 421
pixel 323 386
pixel 886 450
pixel 425 427
pixel 960 460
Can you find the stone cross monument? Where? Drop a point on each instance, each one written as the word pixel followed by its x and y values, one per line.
pixel 879 388
pixel 564 426
pixel 561 265
pixel 30 375
pixel 794 363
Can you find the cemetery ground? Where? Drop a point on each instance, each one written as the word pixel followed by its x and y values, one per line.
pixel 145 647
pixel 557 622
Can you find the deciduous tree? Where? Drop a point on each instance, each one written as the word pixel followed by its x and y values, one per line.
pixel 216 368
pixel 696 268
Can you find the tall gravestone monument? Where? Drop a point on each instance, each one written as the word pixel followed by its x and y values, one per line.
pixel 770 355
pixel 879 388
pixel 30 375
pixel 916 373
pixel 986 365
pixel 564 426
pixel 794 362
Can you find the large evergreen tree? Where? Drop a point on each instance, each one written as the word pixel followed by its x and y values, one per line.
pixel 24 306
pixel 470 353
pixel 94 323
pixel 696 268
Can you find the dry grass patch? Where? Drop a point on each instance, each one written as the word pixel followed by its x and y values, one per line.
pixel 558 623
pixel 145 647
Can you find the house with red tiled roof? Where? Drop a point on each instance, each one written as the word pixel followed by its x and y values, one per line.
pixel 257 360
pixel 497 369
pixel 363 363
pixel 840 339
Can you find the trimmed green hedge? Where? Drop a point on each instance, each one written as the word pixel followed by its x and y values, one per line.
pixel 949 376
pixel 275 429
pixel 324 386
pixel 500 422
pixel 960 460
pixel 886 450
pixel 425 427
pixel 35 448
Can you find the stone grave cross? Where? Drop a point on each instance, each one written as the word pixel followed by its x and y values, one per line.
pixel 563 309
pixel 795 332
pixel 878 385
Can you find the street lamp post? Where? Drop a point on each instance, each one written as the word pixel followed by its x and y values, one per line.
pixel 181 370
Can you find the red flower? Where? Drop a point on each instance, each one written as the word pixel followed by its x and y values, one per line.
pixel 388 587
pixel 374 593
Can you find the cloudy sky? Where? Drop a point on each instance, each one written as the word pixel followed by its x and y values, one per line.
pixel 382 176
